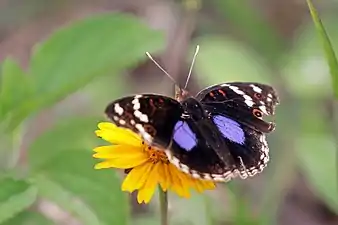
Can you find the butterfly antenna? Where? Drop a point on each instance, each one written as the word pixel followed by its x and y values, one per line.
pixel 161 68
pixel 191 66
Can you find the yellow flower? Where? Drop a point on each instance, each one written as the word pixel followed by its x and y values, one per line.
pixel 148 166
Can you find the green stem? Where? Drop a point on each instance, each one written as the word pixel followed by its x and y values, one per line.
pixel 163 195
pixel 208 207
pixel 16 141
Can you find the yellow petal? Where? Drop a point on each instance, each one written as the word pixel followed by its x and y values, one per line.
pixel 123 162
pixel 164 176
pixel 176 183
pixel 137 177
pixel 106 126
pixel 208 185
pixel 128 152
pixel 117 151
pixel 148 190
pixel 104 149
pixel 167 174
pixel 197 185
pixel 185 182
pixel 103 165
pixel 201 185
pixel 118 135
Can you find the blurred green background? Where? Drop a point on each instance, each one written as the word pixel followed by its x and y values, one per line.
pixel 63 61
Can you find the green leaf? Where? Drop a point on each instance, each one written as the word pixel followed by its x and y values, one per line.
pixel 318 160
pixel 259 33
pixel 100 92
pixel 75 55
pixel 304 67
pixel 29 218
pixel 71 133
pixel 325 178
pixel 14 87
pixel 318 125
pixel 327 46
pixel 225 59
pixel 15 196
pixel 93 196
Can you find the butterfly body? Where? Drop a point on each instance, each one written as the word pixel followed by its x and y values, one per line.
pixel 216 135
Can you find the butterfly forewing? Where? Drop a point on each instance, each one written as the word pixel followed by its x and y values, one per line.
pixel 257 95
pixel 151 116
pixel 240 112
pixel 245 102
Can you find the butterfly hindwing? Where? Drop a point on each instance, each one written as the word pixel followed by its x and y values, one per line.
pixel 244 150
pixel 192 153
pixel 247 146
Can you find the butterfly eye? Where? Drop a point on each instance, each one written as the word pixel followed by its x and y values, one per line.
pixel 257 113
pixel 258 95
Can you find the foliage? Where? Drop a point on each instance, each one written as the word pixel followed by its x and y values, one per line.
pixel 90 56
pixel 326 183
pixel 60 167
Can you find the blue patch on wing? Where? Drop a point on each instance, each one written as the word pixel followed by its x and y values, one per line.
pixel 184 136
pixel 230 129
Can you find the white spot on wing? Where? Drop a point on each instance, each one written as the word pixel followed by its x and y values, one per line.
pixel 122 122
pixel 256 88
pixel 118 109
pixel 137 113
pixel 236 90
pixel 144 118
pixel 147 137
pixel 249 103
pixel 248 100
pixel 247 97
pixel 136 104
pixel 263 109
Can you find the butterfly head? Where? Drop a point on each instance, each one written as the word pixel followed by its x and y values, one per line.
pixel 181 94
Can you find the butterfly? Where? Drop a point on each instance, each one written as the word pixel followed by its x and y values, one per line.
pixel 216 135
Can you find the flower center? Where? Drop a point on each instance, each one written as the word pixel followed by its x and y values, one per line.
pixel 155 154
